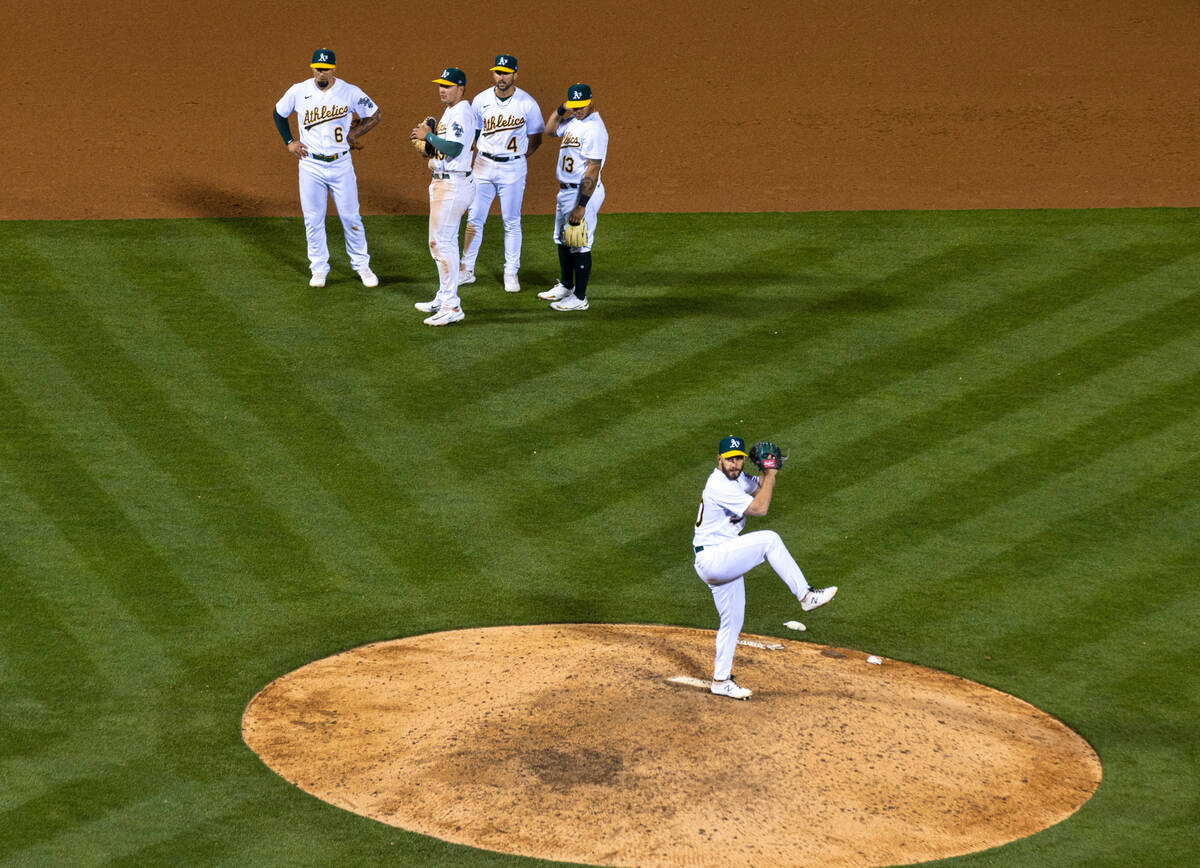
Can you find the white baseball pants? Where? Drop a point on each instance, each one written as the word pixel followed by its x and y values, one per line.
pixel 319 181
pixel 591 213
pixel 505 181
pixel 723 568
pixel 449 199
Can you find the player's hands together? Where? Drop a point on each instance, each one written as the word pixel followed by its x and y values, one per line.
pixel 297 149
pixel 421 130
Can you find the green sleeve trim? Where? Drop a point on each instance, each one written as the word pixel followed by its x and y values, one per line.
pixel 446 146
pixel 285 129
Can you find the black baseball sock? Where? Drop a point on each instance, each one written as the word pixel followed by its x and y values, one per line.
pixel 565 266
pixel 583 269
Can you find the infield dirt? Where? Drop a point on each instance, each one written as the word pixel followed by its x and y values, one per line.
pixel 798 106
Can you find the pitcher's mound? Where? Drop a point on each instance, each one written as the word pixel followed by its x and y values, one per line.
pixel 571 742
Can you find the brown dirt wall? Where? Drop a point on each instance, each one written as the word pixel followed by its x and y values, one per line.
pixel 164 111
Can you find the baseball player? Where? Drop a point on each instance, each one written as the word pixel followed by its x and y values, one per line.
pixel 510 130
pixel 723 557
pixel 333 115
pixel 450 192
pixel 580 193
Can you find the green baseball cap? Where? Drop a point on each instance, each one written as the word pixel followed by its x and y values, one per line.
pixel 451 76
pixel 323 58
pixel 731 446
pixel 505 63
pixel 578 95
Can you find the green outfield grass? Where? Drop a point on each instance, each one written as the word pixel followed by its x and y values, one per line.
pixel 211 474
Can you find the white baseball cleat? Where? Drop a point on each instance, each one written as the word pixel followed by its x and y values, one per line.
pixel 465 277
pixel 445 317
pixel 815 597
pixel 318 279
pixel 368 277
pixel 571 302
pixel 730 689
pixel 428 306
pixel 556 293
pixel 511 284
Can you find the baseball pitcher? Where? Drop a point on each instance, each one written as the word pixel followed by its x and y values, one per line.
pixel 723 556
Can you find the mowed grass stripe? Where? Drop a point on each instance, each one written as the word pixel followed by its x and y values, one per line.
pixel 313 437
pixel 721 352
pixel 973 375
pixel 94 820
pixel 954 423
pixel 1115 570
pixel 171 520
pixel 618 519
pixel 947 558
pixel 93 523
pixel 581 355
pixel 624 530
pixel 138 401
pixel 689 396
pixel 334 542
pixel 50 571
pixel 973 456
pixel 856 457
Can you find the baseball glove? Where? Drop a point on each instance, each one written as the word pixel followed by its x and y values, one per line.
pixel 423 147
pixel 575 234
pixel 767 455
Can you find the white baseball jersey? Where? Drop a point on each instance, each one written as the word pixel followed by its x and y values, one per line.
pixel 458 124
pixel 723 507
pixel 505 125
pixel 582 140
pixel 324 115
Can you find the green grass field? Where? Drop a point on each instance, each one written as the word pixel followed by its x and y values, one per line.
pixel 212 474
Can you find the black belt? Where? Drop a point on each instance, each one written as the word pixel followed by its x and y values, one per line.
pixel 698 548
pixel 563 186
pixel 328 159
pixel 501 159
pixel 445 176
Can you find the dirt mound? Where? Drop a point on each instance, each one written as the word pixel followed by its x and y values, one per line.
pixel 571 742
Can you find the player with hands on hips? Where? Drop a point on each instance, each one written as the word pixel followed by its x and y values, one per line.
pixel 724 556
pixel 581 156
pixel 333 115
pixel 510 130
pixel 451 191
